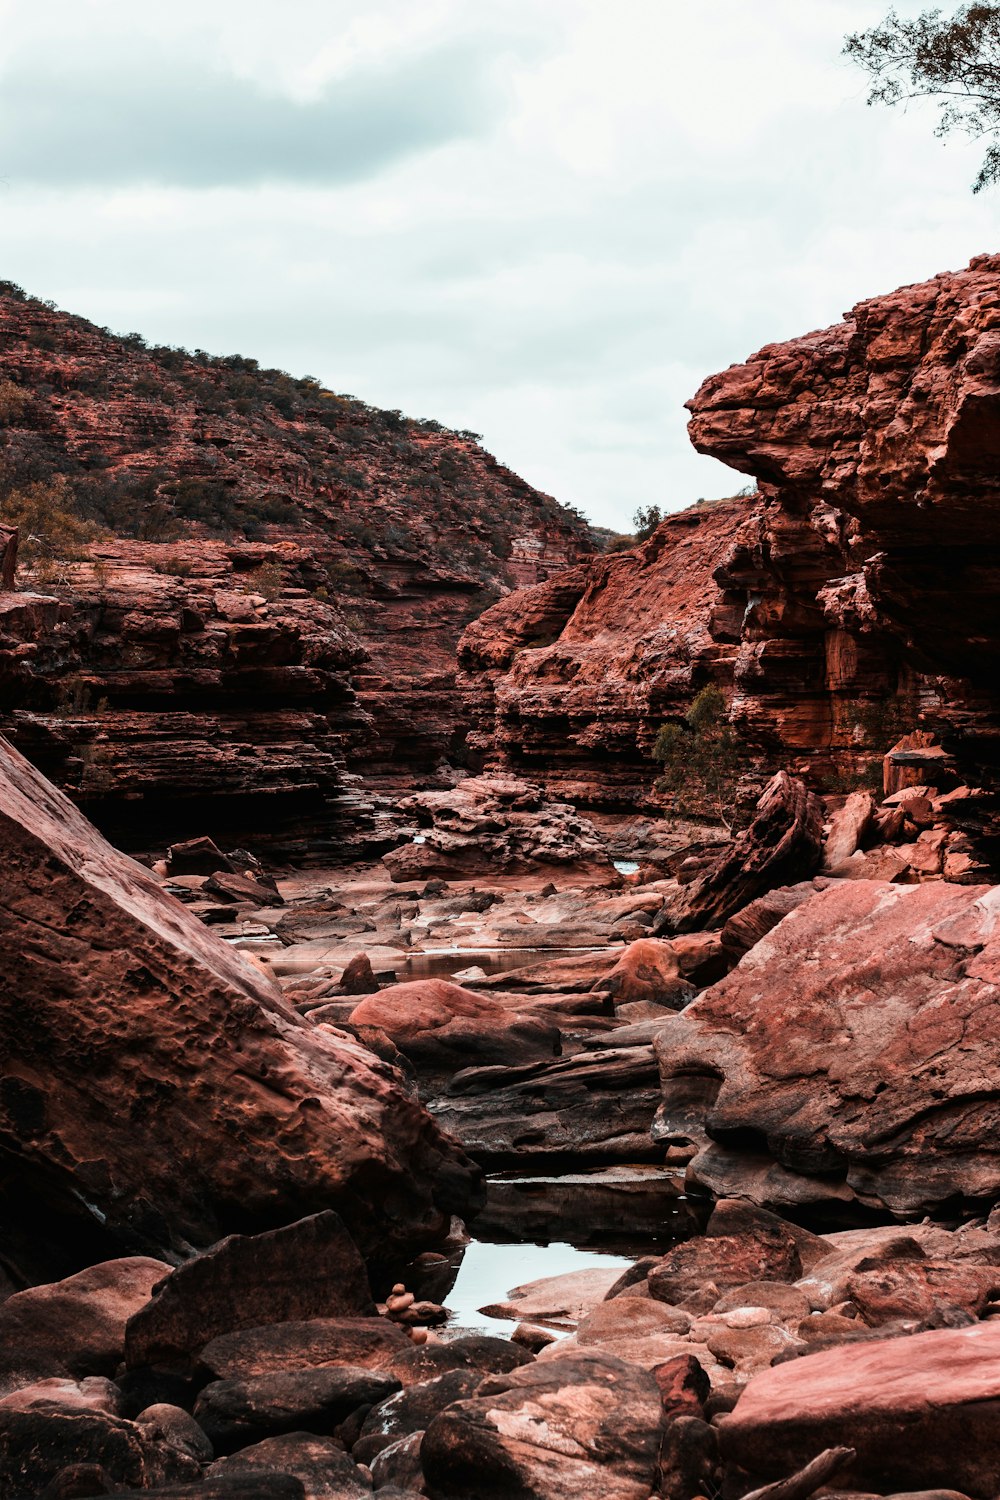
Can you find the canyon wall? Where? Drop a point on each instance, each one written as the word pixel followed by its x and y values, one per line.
pixel 854 597
pixel 255 585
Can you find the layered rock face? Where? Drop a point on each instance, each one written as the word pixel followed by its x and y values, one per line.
pixel 855 598
pixel 156 1089
pixel 160 679
pixel 569 681
pixel 373 538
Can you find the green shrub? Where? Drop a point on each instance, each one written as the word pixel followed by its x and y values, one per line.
pixel 701 759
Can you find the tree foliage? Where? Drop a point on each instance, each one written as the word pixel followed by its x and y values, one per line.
pixel 646 520
pixel 701 758
pixel 954 60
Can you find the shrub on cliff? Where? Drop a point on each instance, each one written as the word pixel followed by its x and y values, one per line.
pixel 701 759
pixel 50 528
pixel 646 520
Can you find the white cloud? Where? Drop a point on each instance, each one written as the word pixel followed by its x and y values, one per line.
pixel 552 221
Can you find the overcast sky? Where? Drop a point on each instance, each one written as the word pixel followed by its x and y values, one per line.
pixel 546 220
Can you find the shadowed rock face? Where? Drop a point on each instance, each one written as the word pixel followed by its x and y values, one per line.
pixel 851 1056
pixel 156 1090
pixel 868 567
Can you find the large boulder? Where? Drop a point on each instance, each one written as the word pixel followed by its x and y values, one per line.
pixel 304 1270
pixel 76 1326
pixel 852 1054
pixel 588 1424
pixel 156 1091
pixel 920 1413
pixel 443 1028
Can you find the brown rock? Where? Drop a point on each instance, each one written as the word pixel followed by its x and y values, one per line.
pixel 726 1261
pixel 130 996
pixel 239 887
pixel 74 1327
pixel 848 827
pixel 235 1413
pixel 853 1040
pixel 585 1424
pixel 249 1280
pixel 358 978
pixel 321 1467
pixel 648 970
pixel 781 846
pixel 38 1444
pixel 373 1343
pixel 443 1028
pixel 200 856
pixel 919 1411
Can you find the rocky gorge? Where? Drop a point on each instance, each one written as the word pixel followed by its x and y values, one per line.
pixel 268 1088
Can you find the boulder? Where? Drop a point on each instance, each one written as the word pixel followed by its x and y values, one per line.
pixel 919 1412
pixel 782 845
pixel 307 1269
pixel 373 1343
pixel 587 1424
pixel 76 1326
pixel 359 977
pixel 200 856
pixel 235 1413
pixel 848 827
pixel 174 1426
pixel 443 1028
pixel 649 970
pixel 849 1054
pixel 321 1467
pixel 145 1027
pixel 411 1410
pixel 725 1261
pixel 37 1444
pixel 237 886
pixel 398 1465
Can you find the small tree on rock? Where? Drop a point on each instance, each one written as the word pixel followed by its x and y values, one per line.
pixel 701 758
pixel 646 520
pixel 953 60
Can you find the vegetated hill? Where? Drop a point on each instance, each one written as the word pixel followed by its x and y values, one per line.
pixel 402 530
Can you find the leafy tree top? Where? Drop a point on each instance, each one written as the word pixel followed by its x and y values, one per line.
pixel 954 60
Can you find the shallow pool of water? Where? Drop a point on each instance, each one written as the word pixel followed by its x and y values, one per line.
pixel 489 1271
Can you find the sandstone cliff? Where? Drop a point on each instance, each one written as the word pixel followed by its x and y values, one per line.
pixel 855 597
pixel 191 484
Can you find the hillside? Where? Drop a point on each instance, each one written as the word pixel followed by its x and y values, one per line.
pixel 125 464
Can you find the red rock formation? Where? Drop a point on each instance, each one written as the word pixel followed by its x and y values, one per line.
pixel 162 677
pixel 409 528
pixel 855 598
pixel 568 682
pixel 156 1089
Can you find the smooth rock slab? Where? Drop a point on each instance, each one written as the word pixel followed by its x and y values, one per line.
pixel 920 1411
pixel 585 1425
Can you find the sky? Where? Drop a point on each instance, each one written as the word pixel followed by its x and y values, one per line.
pixel 544 220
